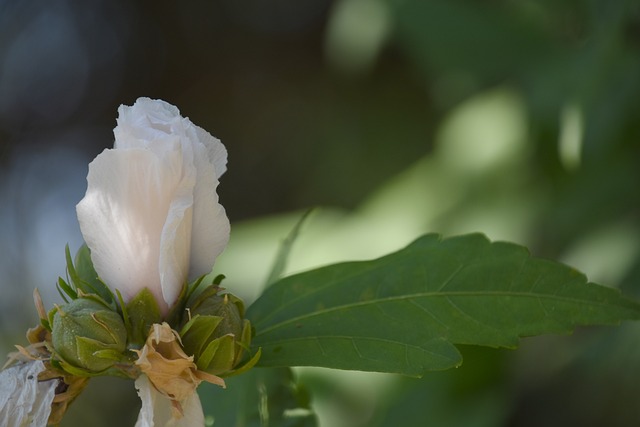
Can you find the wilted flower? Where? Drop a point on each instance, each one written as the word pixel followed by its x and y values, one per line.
pixel 23 397
pixel 169 381
pixel 151 216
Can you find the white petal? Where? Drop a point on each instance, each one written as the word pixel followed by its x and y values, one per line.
pixel 130 195
pixel 156 408
pixel 145 121
pixel 193 415
pixel 23 400
pixel 182 228
pixel 210 233
pixel 175 247
pixel 216 152
pixel 141 125
pixel 153 404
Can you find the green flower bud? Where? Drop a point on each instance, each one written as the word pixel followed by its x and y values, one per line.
pixel 227 306
pixel 88 335
pixel 216 333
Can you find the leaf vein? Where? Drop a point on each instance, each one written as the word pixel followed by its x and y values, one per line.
pixel 427 295
pixel 428 312
pixel 468 316
pixel 450 278
pixel 352 338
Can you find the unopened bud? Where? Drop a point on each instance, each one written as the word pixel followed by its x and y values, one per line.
pixel 87 334
pixel 227 306
pixel 216 332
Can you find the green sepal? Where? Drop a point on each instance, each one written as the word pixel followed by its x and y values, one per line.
pixel 176 313
pixel 197 332
pixel 244 368
pixel 64 298
pixel 45 324
pixel 52 313
pixel 109 354
pixel 192 287
pixel 122 309
pixel 87 276
pixel 191 292
pixel 204 359
pixel 73 370
pixel 71 270
pixel 127 370
pixel 245 341
pixel 67 289
pixel 218 357
pixel 196 299
pixel 197 292
pixel 90 353
pixel 82 277
pixel 142 312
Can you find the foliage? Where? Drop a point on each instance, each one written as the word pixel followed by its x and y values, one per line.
pixel 402 312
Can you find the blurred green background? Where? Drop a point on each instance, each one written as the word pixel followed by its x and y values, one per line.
pixel 519 119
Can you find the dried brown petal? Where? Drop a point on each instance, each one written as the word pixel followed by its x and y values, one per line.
pixel 171 371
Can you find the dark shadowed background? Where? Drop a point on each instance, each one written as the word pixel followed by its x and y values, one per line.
pixel 519 119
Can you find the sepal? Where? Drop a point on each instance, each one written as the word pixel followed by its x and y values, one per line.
pixel 88 280
pixel 142 311
pixel 82 279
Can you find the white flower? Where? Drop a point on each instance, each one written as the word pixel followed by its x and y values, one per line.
pixel 151 216
pixel 25 401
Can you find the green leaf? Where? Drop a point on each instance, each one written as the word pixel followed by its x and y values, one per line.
pixel 258 398
pixel 142 312
pixel 284 250
pixel 404 312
